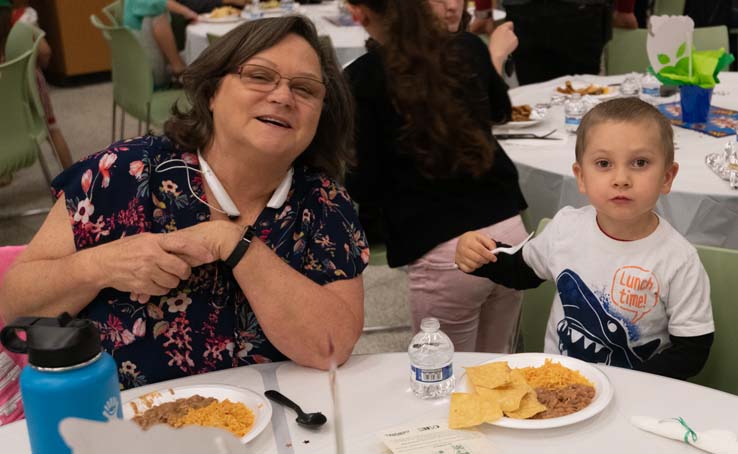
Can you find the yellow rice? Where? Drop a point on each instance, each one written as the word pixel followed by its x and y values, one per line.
pixel 233 417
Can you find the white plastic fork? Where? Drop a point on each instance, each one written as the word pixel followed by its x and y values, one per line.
pixel 512 249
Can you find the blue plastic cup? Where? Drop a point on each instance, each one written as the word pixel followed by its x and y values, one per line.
pixel 695 102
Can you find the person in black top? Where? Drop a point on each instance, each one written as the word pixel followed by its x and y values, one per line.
pixel 429 168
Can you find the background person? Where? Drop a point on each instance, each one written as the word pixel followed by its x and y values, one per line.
pixel 138 237
pixel 429 168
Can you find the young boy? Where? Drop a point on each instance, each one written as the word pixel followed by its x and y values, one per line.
pixel 631 291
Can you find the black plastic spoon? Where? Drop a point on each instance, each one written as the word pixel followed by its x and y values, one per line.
pixel 305 419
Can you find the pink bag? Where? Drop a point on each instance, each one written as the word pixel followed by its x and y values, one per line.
pixel 11 406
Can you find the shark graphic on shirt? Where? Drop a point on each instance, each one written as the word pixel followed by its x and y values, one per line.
pixel 592 334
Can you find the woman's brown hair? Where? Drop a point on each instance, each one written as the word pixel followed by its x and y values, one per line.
pixel 330 150
pixel 428 82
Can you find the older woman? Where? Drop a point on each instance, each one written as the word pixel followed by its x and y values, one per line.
pixel 225 242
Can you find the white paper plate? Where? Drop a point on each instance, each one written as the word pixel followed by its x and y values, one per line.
pixel 578 84
pixel 219 20
pixel 603 390
pixel 533 120
pixel 257 403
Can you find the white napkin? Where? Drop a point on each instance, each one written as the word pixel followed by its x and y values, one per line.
pixel 714 441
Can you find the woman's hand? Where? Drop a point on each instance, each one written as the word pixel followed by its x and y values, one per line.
pixel 218 237
pixel 150 264
pixel 502 42
pixel 473 251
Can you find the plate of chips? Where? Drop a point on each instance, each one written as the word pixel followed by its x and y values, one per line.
pixel 529 391
pixel 585 88
pixel 523 116
pixel 220 15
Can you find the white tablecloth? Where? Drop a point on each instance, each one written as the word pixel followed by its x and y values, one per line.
pixel 375 395
pixel 700 206
pixel 348 41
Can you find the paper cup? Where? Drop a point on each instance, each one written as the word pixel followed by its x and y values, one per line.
pixel 695 102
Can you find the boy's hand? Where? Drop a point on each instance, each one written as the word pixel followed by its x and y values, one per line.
pixel 473 251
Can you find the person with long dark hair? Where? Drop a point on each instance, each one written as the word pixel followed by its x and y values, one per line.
pixel 429 168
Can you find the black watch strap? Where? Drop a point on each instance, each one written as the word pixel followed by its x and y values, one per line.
pixel 241 247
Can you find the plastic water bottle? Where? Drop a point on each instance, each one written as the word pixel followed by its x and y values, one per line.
pixel 255 11
pixel 67 375
pixel 431 370
pixel 574 110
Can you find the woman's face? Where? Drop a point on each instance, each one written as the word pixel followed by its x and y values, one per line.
pixel 278 121
pixel 449 12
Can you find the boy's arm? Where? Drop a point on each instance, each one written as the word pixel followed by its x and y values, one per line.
pixel 510 271
pixel 683 359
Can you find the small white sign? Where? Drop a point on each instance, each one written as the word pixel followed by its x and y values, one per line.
pixel 435 438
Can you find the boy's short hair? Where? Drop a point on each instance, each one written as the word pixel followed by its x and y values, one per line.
pixel 628 109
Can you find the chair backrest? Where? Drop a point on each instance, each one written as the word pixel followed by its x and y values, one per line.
pixel 133 81
pixel 721 372
pixel 668 7
pixel 706 38
pixel 626 52
pixel 17 126
pixel 114 12
pixel 22 37
pixel 536 307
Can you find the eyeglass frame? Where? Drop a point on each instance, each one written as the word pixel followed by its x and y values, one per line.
pixel 239 70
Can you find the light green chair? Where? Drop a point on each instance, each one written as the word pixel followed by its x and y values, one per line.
pixel 706 38
pixel 21 137
pixel 668 7
pixel 133 81
pixel 721 370
pixel 114 12
pixel 626 52
pixel 536 307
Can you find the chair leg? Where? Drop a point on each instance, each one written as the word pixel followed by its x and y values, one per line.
pixel 148 116
pixel 112 134
pixel 122 123
pixel 45 169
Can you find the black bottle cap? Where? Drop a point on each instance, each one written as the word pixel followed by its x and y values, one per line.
pixel 53 342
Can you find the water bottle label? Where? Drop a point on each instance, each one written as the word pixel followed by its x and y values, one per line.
pixel 651 91
pixel 432 375
pixel 572 121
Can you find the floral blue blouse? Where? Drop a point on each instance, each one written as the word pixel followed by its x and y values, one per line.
pixel 206 323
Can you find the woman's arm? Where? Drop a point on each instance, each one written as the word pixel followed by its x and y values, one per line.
pixel 51 277
pixel 181 9
pixel 300 317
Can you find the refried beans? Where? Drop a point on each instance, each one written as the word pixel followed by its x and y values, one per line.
pixel 171 412
pixel 564 401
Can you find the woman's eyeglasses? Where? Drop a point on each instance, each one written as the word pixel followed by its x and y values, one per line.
pixel 263 79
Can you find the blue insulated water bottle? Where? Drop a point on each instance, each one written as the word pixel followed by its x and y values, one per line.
pixel 68 375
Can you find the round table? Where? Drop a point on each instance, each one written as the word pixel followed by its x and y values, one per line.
pixel 348 41
pixel 700 206
pixel 374 395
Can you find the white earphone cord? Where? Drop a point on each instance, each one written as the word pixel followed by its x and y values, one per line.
pixel 189 184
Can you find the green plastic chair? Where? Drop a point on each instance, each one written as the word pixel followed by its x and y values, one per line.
pixel 668 7
pixel 536 307
pixel 706 38
pixel 626 52
pixel 133 81
pixel 21 138
pixel 114 12
pixel 721 372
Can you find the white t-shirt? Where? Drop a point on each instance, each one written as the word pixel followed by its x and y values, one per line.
pixel 618 301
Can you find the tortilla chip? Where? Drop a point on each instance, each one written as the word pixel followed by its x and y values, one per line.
pixel 529 406
pixel 508 396
pixel 469 410
pixel 489 375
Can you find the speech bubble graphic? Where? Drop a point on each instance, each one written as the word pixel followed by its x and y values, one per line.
pixel 635 289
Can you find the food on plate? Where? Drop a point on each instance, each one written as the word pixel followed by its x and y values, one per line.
pixel 591 89
pixel 270 5
pixel 548 391
pixel 521 113
pixel 234 417
pixel 223 11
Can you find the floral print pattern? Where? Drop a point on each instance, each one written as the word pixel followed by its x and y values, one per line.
pixel 205 323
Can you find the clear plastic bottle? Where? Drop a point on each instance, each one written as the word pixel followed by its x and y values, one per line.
pixel 650 86
pixel 574 110
pixel 287 5
pixel 431 369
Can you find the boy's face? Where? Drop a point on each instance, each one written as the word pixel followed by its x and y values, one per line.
pixel 623 171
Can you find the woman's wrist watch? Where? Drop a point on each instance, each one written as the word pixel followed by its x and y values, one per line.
pixel 483 14
pixel 241 247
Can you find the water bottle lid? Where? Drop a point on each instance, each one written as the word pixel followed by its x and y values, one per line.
pixel 429 324
pixel 53 342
